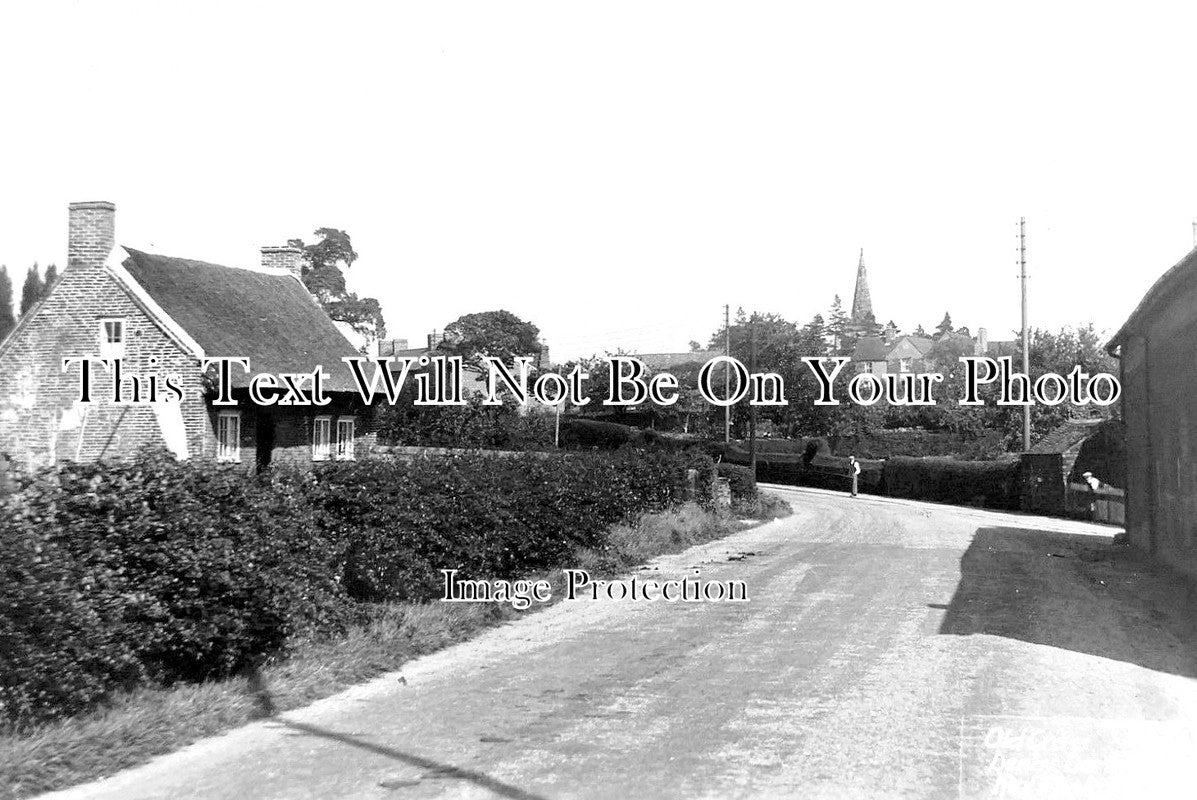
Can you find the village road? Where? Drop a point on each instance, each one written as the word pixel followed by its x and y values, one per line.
pixel 888 649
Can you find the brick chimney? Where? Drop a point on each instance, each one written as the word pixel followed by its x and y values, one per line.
pixel 288 257
pixel 982 342
pixel 388 347
pixel 92 234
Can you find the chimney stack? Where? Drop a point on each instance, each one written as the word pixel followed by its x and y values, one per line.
pixel 288 257
pixel 92 234
pixel 982 342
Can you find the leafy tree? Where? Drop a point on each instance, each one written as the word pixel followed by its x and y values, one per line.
pixel 499 334
pixel 32 291
pixel 1058 352
pixel 7 320
pixel 323 274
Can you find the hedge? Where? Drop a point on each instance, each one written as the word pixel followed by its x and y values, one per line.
pixel 118 575
pixel 169 571
pixel 742 481
pixel 991 484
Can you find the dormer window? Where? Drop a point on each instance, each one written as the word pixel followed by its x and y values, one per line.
pixel 112 337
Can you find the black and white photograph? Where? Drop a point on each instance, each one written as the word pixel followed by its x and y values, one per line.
pixel 562 400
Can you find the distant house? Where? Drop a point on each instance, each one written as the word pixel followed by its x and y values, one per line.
pixel 871 355
pixel 882 354
pixel 162 315
pixel 1155 348
pixel 472 382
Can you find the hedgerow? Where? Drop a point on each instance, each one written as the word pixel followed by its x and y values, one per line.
pixel 168 571
pixel 157 571
pixel 991 484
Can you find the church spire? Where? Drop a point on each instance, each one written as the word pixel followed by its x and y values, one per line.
pixel 862 303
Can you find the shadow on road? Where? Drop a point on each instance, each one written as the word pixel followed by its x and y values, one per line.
pixel 1078 593
pixel 435 770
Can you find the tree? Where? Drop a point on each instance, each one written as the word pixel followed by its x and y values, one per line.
pixel 1056 352
pixel 323 274
pixel 920 332
pixel 945 327
pixel 499 334
pixel 7 320
pixel 837 326
pixel 31 292
pixel 815 333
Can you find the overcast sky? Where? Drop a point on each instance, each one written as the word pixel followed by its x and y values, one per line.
pixel 616 172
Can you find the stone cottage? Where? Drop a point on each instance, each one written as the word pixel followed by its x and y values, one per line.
pixel 162 317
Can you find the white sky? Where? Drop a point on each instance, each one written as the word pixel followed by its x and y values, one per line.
pixel 616 172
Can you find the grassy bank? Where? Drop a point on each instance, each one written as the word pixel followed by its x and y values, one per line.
pixel 147 722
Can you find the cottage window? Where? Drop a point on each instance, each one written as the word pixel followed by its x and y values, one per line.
pixel 904 365
pixel 228 436
pixel 112 338
pixel 345 429
pixel 321 438
pixel 866 366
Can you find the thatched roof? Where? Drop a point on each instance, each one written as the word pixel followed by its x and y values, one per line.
pixel 268 317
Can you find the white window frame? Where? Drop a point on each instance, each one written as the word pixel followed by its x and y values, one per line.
pixel 344 445
pixel 225 453
pixel 322 439
pixel 905 364
pixel 866 366
pixel 111 349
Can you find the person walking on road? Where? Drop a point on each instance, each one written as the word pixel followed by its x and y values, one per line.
pixel 854 473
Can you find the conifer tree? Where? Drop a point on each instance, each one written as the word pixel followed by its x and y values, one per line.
pixel 7 319
pixel 31 292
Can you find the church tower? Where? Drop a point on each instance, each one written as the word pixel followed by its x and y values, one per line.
pixel 862 303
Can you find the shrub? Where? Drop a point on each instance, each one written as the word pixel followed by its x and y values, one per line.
pixel 579 433
pixel 62 642
pixel 157 571
pixel 993 484
pixel 743 482
pixel 189 571
pixel 487 516
pixel 473 425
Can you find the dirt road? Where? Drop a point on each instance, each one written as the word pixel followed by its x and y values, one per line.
pixel 888 649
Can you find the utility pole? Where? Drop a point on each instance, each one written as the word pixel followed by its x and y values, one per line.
pixel 1026 339
pixel 727 372
pixel 752 408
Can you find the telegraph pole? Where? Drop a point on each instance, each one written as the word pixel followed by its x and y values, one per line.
pixel 752 408
pixel 1026 342
pixel 727 372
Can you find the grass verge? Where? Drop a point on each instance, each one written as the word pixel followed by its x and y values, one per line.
pixel 148 722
